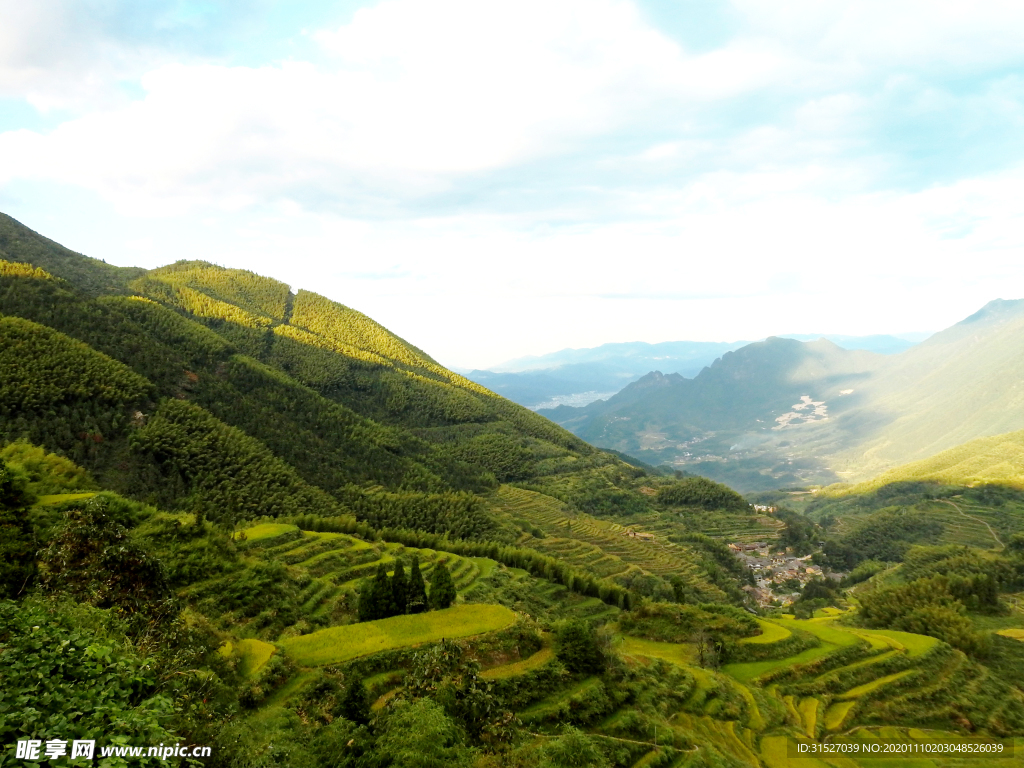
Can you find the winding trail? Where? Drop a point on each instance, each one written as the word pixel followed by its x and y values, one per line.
pixel 976 519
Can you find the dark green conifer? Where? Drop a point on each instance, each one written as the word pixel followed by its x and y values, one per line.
pixel 366 608
pixel 355 705
pixel 416 590
pixel 442 588
pixel 383 602
pixel 399 589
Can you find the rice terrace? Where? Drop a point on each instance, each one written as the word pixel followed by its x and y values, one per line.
pixel 255 519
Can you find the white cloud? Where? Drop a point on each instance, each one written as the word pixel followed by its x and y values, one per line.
pixel 517 161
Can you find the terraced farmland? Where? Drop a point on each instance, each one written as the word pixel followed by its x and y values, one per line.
pixel 339 644
pixel 957 528
pixel 600 546
pixel 835 693
pixel 848 686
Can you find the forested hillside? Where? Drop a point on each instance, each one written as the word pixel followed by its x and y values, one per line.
pixel 253 520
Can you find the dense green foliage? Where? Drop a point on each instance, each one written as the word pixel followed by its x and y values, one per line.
pixel 700 492
pixel 17 539
pixel 206 485
pixel 926 607
pixel 886 535
pixel 43 369
pixel 578 648
pixel 71 682
pixel 229 475
pixel 442 588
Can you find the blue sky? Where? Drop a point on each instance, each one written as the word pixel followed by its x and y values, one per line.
pixel 497 179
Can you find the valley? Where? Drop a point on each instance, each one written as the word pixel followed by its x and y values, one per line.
pixel 255 519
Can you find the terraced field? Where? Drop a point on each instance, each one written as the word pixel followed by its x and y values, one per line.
pixel 831 694
pixel 957 529
pixel 335 645
pixel 845 688
pixel 597 545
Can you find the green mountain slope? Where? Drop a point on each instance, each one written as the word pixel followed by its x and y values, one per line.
pixel 783 413
pixel 735 417
pixel 246 400
pixel 224 509
pixel 997 460
pixel 962 383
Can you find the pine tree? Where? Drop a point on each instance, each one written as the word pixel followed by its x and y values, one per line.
pixel 355 705
pixel 366 608
pixel 442 588
pixel 416 590
pixel 383 602
pixel 399 589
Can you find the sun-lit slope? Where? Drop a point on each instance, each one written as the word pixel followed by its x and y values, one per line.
pixel 963 383
pixel 236 295
pixel 337 350
pixel 998 459
pixel 857 686
pixel 340 420
pixel 339 644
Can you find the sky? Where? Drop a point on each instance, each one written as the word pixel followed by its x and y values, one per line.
pixel 493 179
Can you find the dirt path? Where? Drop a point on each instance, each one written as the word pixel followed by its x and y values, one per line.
pixel 978 520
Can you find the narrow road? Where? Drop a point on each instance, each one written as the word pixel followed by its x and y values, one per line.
pixel 978 520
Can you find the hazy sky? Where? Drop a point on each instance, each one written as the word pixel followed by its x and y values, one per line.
pixel 491 179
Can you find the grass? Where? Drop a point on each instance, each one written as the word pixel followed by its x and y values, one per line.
pixel 747 671
pixel 255 654
pixel 862 663
pixel 809 713
pixel 770 633
pixel 338 644
pixel 874 685
pixel 674 653
pixel 831 639
pixel 521 667
pixel 915 645
pixel 836 714
pixel 265 531
pixel 553 701
pixel 1016 634
pixel 59 498
pixel 252 654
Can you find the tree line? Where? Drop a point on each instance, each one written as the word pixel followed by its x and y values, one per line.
pixel 384 596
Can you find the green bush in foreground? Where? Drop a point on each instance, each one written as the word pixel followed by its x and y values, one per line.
pixel 58 681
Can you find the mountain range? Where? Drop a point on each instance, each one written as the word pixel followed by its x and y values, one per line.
pixel 578 377
pixel 785 412
pixel 212 489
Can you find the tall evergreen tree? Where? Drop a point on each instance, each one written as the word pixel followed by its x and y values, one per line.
pixel 399 589
pixel 355 705
pixel 442 588
pixel 416 590
pixel 383 602
pixel 366 608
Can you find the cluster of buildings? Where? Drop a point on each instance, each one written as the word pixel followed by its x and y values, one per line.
pixel 774 572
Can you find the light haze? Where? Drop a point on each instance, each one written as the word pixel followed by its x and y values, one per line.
pixel 493 180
